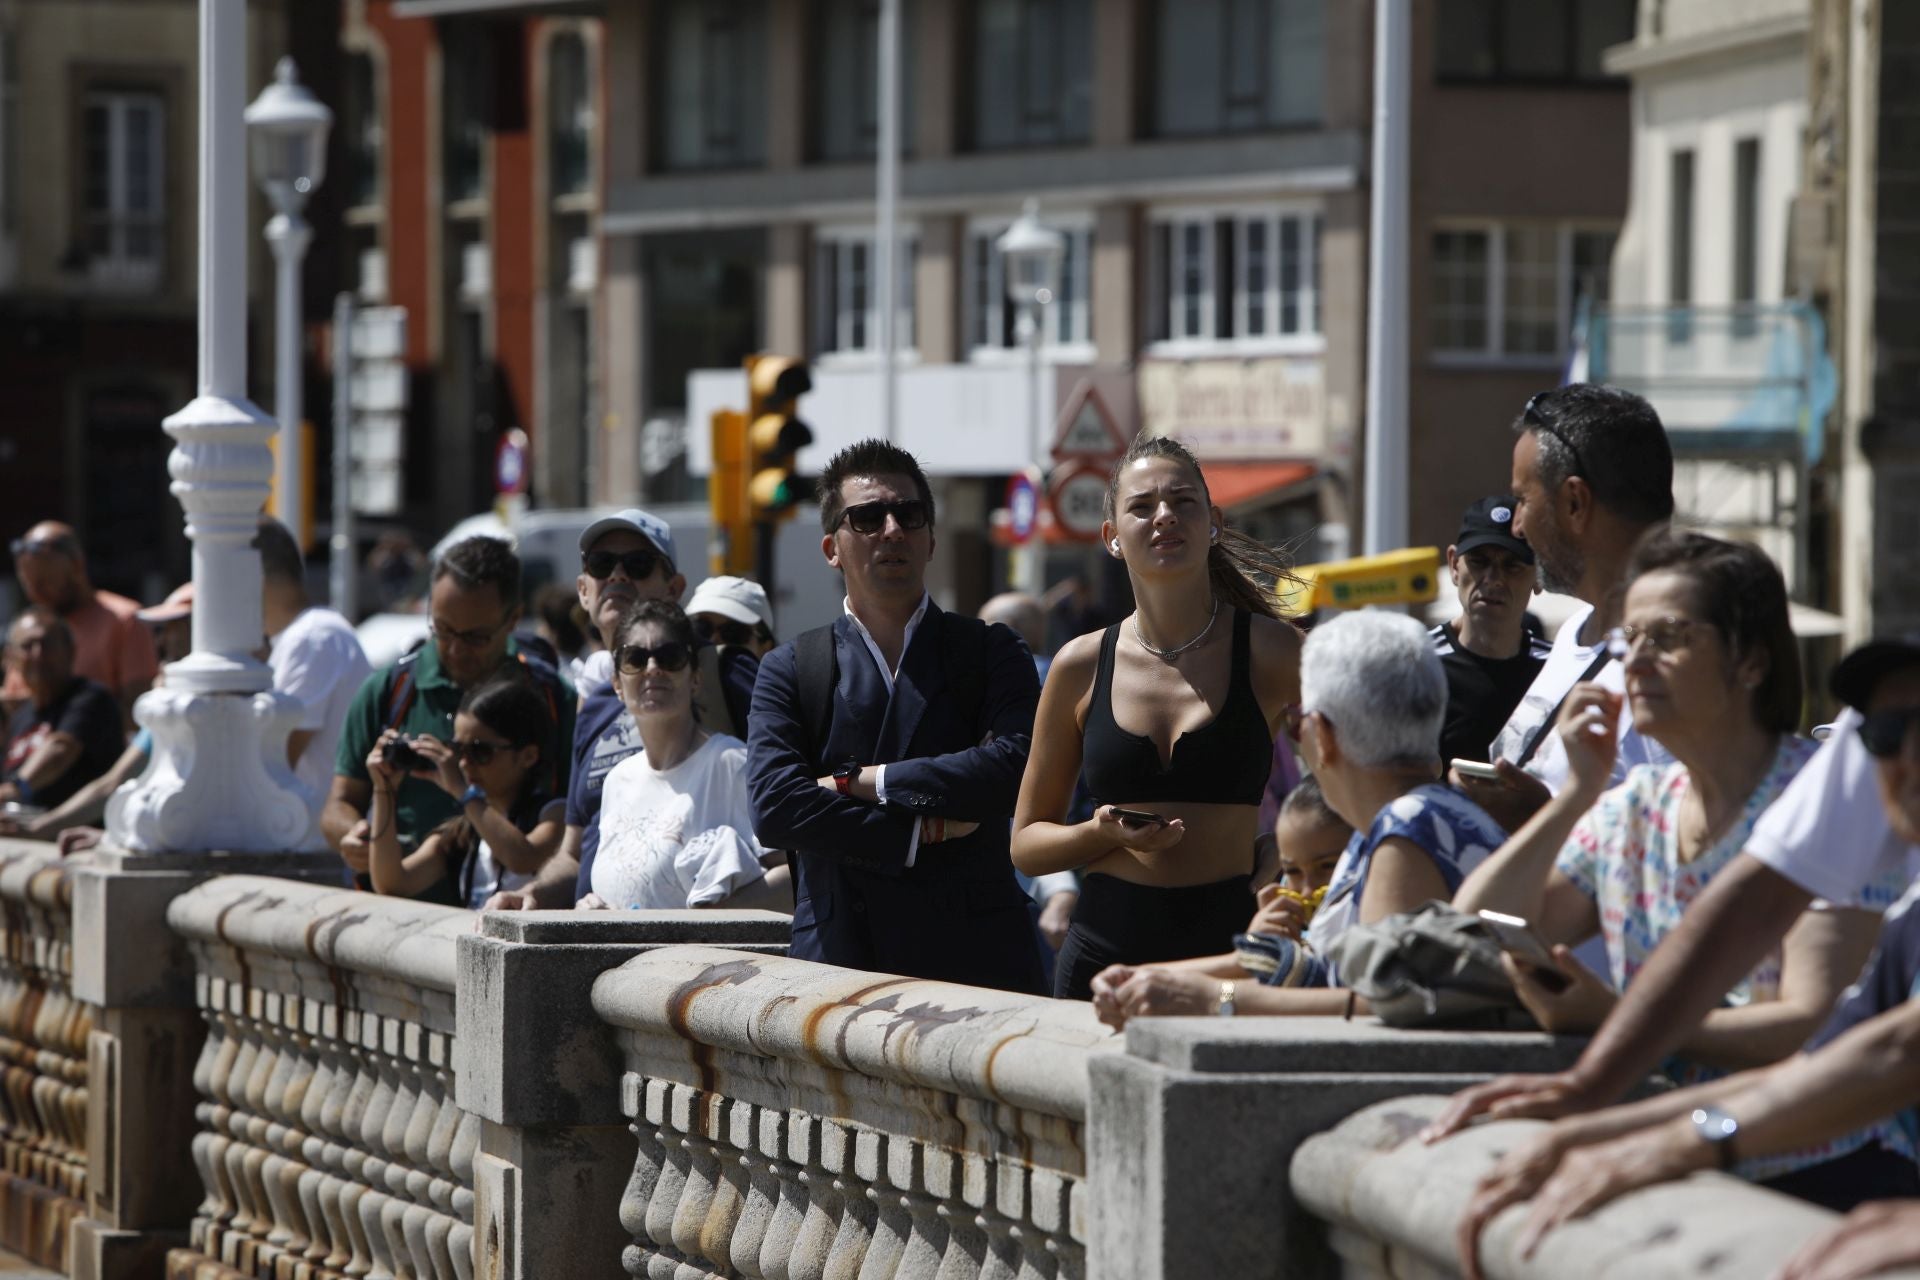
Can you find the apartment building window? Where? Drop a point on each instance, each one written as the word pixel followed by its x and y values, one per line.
pixel 846 86
pixel 1243 277
pixel 991 320
pixel 709 84
pixel 570 115
pixel 362 133
pixel 1680 244
pixel 846 308
pixel 1746 235
pixel 1511 291
pixel 1235 66
pixel 124 186
pixel 1543 41
pixel 1032 74
pixel 465 112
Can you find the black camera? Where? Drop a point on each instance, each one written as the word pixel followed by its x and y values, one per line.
pixel 399 754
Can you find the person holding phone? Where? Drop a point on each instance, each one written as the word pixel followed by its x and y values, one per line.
pixel 1713 675
pixel 1173 712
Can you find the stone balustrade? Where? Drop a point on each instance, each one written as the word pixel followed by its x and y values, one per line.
pixel 797 1120
pixel 1391 1204
pixel 329 1141
pixel 43 1056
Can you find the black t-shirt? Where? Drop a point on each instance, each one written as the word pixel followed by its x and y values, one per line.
pixel 1481 692
pixel 86 711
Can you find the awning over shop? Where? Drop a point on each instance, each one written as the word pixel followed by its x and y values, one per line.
pixel 1233 485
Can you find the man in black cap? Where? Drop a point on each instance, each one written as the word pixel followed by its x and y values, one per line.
pixel 1489 654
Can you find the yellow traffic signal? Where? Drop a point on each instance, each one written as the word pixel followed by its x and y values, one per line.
pixel 732 550
pixel 1408 576
pixel 775 434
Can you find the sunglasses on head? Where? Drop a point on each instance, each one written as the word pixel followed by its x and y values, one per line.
pixel 1532 416
pixel 731 633
pixel 632 659
pixel 40 547
pixel 871 517
pixel 480 753
pixel 1885 732
pixel 639 563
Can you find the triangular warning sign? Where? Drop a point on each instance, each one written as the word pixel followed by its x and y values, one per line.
pixel 1086 428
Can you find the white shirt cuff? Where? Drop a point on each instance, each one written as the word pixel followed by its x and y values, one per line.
pixel 880 783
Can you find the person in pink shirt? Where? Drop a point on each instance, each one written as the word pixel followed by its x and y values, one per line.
pixel 111 646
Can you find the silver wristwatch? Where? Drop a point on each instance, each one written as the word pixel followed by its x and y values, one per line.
pixel 1717 1129
pixel 1224 1006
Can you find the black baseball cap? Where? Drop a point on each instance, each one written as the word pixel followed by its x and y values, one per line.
pixel 1861 671
pixel 1489 523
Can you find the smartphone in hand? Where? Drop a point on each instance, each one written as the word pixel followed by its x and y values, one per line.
pixel 1475 769
pixel 1136 817
pixel 1517 938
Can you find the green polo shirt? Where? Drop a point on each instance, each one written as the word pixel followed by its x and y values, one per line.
pixel 421 804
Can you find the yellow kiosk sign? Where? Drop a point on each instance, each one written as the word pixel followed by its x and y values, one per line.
pixel 1408 576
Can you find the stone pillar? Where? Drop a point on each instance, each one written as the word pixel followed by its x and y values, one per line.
pixel 936 290
pixel 1191 1132
pixel 786 306
pixel 1117 283
pixel 1118 108
pixel 543 1072
pixel 219 779
pixel 142 1186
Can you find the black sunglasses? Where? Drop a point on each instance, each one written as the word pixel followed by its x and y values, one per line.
pixel 481 753
pixel 632 659
pixel 1531 416
pixel 734 633
pixel 1884 732
pixel 40 546
pixel 871 517
pixel 639 563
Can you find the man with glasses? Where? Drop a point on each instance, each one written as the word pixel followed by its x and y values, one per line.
pixel 473 604
pixel 67 731
pixel 1592 473
pixel 110 645
pixel 885 752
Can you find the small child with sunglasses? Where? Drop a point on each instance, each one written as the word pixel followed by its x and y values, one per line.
pixel 508 826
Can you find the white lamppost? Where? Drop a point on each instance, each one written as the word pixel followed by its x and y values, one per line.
pixel 219 778
pixel 288 128
pixel 1030 257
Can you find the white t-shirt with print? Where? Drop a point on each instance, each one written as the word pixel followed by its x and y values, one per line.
pixel 680 837
pixel 318 659
pixel 1566 666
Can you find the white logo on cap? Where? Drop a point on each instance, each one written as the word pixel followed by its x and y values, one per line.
pixel 1502 515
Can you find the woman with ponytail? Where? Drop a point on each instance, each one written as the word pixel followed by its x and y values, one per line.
pixel 1173 712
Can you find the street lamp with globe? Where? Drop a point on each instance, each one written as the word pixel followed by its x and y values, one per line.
pixel 288 127
pixel 1031 255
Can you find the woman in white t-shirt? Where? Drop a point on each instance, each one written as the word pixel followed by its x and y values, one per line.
pixel 675 827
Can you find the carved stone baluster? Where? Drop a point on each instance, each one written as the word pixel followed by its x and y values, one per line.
pixel 858 1213
pixel 665 1202
pixel 965 1256
pixel 392 1144
pixel 761 1197
pixel 926 1237
pixel 232 1091
pixel 887 1163
pixel 639 1192
pixel 466 1142
pixel 352 1163
pixel 824 1205
pixel 1003 1250
pixel 446 1124
pixel 703 1223
pixel 777 1142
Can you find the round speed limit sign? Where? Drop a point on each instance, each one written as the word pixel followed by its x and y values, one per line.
pixel 1079 502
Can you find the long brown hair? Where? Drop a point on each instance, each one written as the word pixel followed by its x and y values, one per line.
pixel 1235 562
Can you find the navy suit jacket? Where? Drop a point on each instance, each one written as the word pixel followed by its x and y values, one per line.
pixel 957 914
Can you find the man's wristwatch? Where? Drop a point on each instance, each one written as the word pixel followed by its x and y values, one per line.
pixel 1224 1006
pixel 472 793
pixel 843 778
pixel 1717 1129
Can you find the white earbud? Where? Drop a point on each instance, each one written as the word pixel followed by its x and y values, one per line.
pixel 1216 533
pixel 1115 544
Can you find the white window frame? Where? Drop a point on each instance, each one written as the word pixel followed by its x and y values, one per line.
pixel 841 353
pixel 1079 349
pixel 115 269
pixel 1494 353
pixel 1204 342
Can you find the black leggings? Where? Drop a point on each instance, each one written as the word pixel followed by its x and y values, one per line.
pixel 1119 922
pixel 1846 1182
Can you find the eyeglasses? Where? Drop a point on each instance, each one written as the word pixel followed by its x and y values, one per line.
pixel 40 547
pixel 1884 733
pixel 1531 416
pixel 632 659
pixel 1666 635
pixel 477 638
pixel 732 633
pixel 871 517
pixel 481 753
pixel 639 563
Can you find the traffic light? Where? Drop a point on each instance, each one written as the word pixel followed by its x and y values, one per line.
pixel 774 435
pixel 732 549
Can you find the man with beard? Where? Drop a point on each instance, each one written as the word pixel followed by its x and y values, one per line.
pixel 110 645
pixel 1592 473
pixel 1490 655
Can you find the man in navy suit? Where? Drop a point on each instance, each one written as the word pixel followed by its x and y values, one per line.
pixel 885 753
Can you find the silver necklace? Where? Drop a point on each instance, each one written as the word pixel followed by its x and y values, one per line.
pixel 1168 654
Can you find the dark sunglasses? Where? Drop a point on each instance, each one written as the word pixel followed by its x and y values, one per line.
pixel 639 563
pixel 632 659
pixel 734 633
pixel 481 753
pixel 1531 416
pixel 40 547
pixel 1884 732
pixel 871 517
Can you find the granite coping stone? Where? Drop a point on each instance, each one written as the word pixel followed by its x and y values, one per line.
pixel 1288 1046
pixel 638 928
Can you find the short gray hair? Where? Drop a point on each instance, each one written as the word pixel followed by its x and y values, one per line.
pixel 1376 677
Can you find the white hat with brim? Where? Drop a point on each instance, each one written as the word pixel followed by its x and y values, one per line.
pixel 740 599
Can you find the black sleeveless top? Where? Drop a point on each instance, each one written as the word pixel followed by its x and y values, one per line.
pixel 1225 761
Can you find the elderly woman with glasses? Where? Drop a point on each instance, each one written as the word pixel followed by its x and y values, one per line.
pixel 1372 698
pixel 676 829
pixel 1713 675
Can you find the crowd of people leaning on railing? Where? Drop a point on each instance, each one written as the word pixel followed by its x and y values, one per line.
pixel 1202 809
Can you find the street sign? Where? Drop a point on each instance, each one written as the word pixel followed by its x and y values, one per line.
pixel 379 333
pixel 1079 498
pixel 1086 429
pixel 510 462
pixel 1023 507
pixel 376 395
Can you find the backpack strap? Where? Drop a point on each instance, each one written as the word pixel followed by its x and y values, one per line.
pixel 816 673
pixel 1545 727
pixel 400 690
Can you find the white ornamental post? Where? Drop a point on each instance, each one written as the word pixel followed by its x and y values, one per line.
pixel 219 778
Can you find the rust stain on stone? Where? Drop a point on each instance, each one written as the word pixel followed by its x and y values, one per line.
pixel 680 1006
pixel 220 931
pixel 342 920
pixel 1399 1126
pixel 810 1032
pixel 987 1072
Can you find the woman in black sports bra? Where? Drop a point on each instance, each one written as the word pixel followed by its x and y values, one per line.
pixel 1173 712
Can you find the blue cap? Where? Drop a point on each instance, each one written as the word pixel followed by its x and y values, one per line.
pixel 634 520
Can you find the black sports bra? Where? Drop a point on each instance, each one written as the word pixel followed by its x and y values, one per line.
pixel 1225 761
